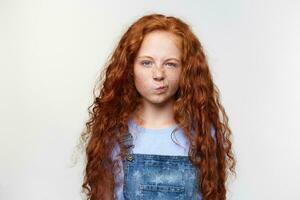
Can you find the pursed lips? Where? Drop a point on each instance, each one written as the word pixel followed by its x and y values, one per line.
pixel 161 87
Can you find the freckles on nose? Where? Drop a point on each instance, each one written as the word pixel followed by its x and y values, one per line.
pixel 157 70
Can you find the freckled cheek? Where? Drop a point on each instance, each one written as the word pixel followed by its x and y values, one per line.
pixel 174 80
pixel 141 83
pixel 137 79
pixel 174 85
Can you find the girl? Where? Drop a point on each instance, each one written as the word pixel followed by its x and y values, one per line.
pixel 157 84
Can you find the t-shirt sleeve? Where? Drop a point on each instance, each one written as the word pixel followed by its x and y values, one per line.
pixel 213 132
pixel 119 177
pixel 119 193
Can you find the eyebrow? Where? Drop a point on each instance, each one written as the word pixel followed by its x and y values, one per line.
pixel 172 58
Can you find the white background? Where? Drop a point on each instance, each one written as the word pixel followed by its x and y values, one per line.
pixel 52 52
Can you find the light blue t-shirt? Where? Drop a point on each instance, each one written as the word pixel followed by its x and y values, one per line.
pixel 155 141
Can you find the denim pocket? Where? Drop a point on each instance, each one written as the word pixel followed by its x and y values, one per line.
pixel 161 188
pixel 153 191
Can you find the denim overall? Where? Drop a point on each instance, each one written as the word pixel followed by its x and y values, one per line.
pixel 158 177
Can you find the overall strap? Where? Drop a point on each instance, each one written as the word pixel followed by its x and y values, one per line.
pixel 127 140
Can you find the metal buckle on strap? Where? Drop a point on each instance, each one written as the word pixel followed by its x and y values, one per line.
pixel 129 157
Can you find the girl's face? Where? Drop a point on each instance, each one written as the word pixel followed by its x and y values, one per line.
pixel 158 64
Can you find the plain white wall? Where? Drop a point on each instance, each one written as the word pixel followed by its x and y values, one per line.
pixel 52 52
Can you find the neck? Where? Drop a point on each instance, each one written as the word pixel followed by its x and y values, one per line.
pixel 155 115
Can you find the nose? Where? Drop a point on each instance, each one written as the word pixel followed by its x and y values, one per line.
pixel 158 73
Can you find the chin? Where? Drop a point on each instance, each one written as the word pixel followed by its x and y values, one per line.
pixel 160 101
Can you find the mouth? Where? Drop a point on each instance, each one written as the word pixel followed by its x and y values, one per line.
pixel 161 89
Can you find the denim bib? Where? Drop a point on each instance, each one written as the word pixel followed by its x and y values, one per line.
pixel 158 177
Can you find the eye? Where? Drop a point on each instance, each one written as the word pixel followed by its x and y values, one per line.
pixel 146 62
pixel 172 64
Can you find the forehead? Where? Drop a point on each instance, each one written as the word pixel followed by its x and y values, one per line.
pixel 161 44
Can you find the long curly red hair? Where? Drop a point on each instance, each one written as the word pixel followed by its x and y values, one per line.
pixel 197 107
